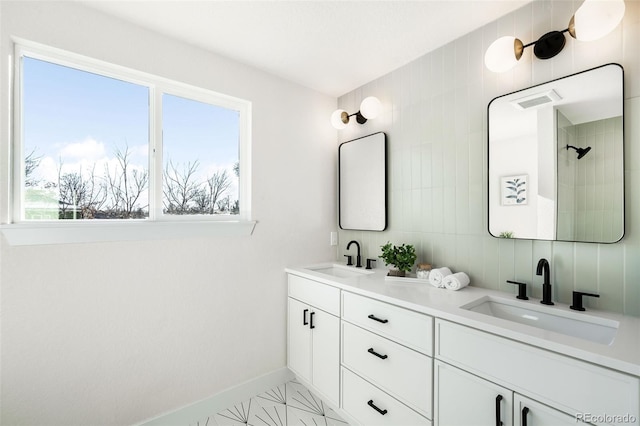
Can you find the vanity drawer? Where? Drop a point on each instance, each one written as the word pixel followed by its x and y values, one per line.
pixel 322 296
pixel 399 371
pixel 358 396
pixel 569 384
pixel 401 325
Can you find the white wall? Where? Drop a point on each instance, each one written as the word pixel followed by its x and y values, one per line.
pixel 513 157
pixel 113 333
pixel 435 119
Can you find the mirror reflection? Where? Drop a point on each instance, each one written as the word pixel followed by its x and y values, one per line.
pixel 556 164
pixel 362 186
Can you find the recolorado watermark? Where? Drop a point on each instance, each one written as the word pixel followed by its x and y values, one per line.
pixel 605 418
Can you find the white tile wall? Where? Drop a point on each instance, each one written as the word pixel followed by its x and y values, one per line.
pixel 597 215
pixel 590 208
pixel 435 114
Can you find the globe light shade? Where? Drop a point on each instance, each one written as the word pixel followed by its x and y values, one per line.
pixel 596 18
pixel 336 119
pixel 370 107
pixel 503 54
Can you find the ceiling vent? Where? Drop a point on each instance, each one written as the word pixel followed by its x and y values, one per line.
pixel 531 101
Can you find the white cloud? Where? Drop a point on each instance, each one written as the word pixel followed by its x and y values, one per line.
pixel 139 150
pixel 88 150
pixel 47 170
pixel 89 157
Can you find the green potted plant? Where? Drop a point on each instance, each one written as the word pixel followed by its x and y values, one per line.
pixel 400 257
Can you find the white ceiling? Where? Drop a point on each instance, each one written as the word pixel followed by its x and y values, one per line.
pixel 330 46
pixel 584 97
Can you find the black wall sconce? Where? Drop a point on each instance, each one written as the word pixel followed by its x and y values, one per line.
pixel 369 108
pixel 593 20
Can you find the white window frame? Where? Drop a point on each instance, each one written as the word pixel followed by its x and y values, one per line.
pixel 157 225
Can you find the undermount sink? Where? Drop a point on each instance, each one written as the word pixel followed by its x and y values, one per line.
pixel 341 271
pixel 583 326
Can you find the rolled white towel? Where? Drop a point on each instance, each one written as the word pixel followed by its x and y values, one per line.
pixel 437 275
pixel 456 281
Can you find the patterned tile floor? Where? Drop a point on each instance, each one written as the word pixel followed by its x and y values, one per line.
pixel 288 404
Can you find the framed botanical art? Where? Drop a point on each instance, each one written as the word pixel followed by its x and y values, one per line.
pixel 513 190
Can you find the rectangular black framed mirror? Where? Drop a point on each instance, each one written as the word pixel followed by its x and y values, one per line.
pixel 556 159
pixel 362 183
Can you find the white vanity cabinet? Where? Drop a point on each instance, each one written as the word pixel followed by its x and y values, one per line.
pixel 386 361
pixel 313 349
pixel 527 412
pixel 387 368
pixel 569 386
pixel 462 399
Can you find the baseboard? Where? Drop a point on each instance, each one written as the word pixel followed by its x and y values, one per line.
pixel 222 400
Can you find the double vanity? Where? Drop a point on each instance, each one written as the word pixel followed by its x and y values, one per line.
pixel 396 352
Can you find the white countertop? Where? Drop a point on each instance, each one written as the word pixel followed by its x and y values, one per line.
pixel 623 354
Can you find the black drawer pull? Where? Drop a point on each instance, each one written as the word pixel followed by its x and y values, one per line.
pixel 311 325
pixel 373 317
pixel 498 421
pixel 304 317
pixel 525 411
pixel 372 405
pixel 372 352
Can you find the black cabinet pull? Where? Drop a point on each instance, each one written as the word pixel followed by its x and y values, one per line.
pixel 372 405
pixel 498 421
pixel 525 411
pixel 373 317
pixel 304 317
pixel 311 325
pixel 372 352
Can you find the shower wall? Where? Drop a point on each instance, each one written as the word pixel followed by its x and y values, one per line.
pixel 589 207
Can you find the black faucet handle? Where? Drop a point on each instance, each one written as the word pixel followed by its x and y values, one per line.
pixel 577 300
pixel 369 261
pixel 349 259
pixel 522 290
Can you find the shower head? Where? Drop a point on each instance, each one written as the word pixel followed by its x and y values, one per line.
pixel 581 151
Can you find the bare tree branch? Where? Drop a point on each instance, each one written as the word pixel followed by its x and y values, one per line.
pixel 31 163
pixel 84 195
pixel 179 187
pixel 217 185
pixel 126 186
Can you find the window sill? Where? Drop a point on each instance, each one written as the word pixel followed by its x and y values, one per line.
pixel 27 234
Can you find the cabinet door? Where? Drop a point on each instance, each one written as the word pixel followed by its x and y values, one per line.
pixel 462 399
pixel 325 336
pixel 528 412
pixel 299 339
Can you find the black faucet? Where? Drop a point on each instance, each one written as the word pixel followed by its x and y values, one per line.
pixel 577 300
pixel 543 267
pixel 358 258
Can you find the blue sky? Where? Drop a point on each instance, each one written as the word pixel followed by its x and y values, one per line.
pixel 82 118
pixel 62 106
pixel 192 130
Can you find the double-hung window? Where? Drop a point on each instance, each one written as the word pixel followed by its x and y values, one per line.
pixel 97 143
